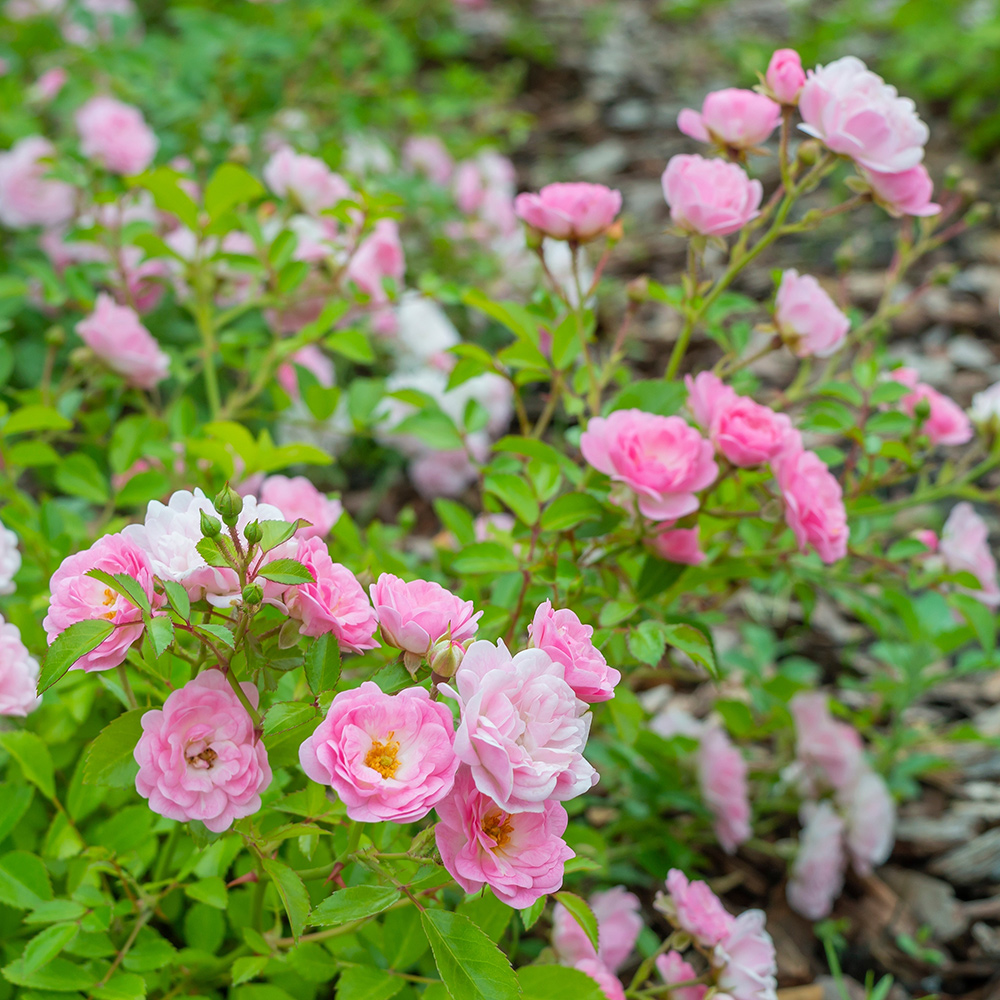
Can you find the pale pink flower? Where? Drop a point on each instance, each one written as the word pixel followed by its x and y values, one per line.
pixel 609 983
pixel 442 473
pixel 427 154
pixel 521 856
pixel 146 279
pixel 807 318
pixel 306 179
pixel 199 757
pixel 27 196
pixel 871 821
pixel 476 179
pixel 619 920
pixel 116 335
pixel 46 88
pixel 388 757
pixel 928 537
pixel 947 422
pixel 722 776
pixel 568 641
pixel 829 751
pixel 814 503
pixel 334 602
pixel 673 969
pixel 856 113
pixel 737 119
pixel 746 960
pixel 746 432
pixel 908 192
pixel 661 459
pixel 817 876
pixel 523 730
pixel 18 673
pixel 77 597
pixel 965 546
pixel 313 360
pixel 414 615
pixel 785 76
pixel 985 409
pixel 379 257
pixel 298 498
pixel 693 907
pixel 710 197
pixel 10 560
pixel 424 334
pixel 115 135
pixel 577 212
pixel 678 545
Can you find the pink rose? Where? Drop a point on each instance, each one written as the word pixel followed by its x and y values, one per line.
pixel 679 545
pixel 947 422
pixel 785 76
pixel 306 179
pixel 693 907
pixel 746 960
pixel 609 983
pixel 77 597
pixel 710 197
pixel 427 154
pixel 523 730
pixel 199 757
pixel 814 503
pixel 817 876
pixel 380 256
pixel 857 114
pixel 737 119
pixel 115 135
pixel 722 776
pixel 27 197
pixel 673 969
pixel 521 856
pixel 965 547
pixel 568 641
pixel 415 615
pixel 116 335
pixel 575 212
pixel 10 560
pixel 928 538
pixel 313 360
pixel 806 317
pixel 46 88
pixel 742 430
pixel 619 920
pixel 297 498
pixel 335 602
pixel 662 459
pixel 442 473
pixel 388 757
pixel 871 821
pixel 18 674
pixel 828 751
pixel 908 192
pixel 477 180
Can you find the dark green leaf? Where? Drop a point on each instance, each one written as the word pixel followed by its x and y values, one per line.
pixel 292 892
pixel 557 982
pixel 322 664
pixel 570 510
pixel 109 759
pixel 470 964
pixel 365 982
pixel 178 598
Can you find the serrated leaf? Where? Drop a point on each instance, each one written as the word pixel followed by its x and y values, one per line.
pixel 109 759
pixel 647 642
pixel 230 185
pixel 30 751
pixel 694 642
pixel 209 890
pixel 557 982
pixel 365 982
pixel 485 557
pixel 353 903
pixel 44 947
pixel 220 632
pixel 570 510
pixel 581 912
pixel 208 549
pixel 530 914
pixel 292 892
pixel 322 664
pixel 286 715
pixel 516 494
pixel 15 799
pixel 286 571
pixel 24 881
pixel 178 598
pixel 248 967
pixel 60 975
pixel 124 585
pixel 273 533
pixel 161 633
pixel 470 964
pixel 67 647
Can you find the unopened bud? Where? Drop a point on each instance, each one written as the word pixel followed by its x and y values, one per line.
pixel 638 289
pixel 616 231
pixel 809 152
pixel 922 410
pixel 55 336
pixel 979 212
pixel 253 532
pixel 228 504
pixel 446 657
pixel 210 526
pixel 253 593
pixel 533 238
pixel 952 176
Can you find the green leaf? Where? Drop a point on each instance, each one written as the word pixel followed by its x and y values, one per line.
pixel 35 418
pixel 248 967
pixel 570 510
pixel 79 476
pixel 403 938
pixel 530 914
pixel 121 986
pixel 351 344
pixel 353 903
pixel 60 975
pixel 24 882
pixel 164 185
pixel 647 642
pixel 365 982
pixel 541 451
pixel 209 890
pixel 273 533
pixel 161 633
pixel 44 947
pixel 31 752
pixel 581 913
pixel 470 964
pixel 220 632
pixel 109 759
pixel 286 571
pixel 67 647
pixel 178 598
pixel 230 185
pixel 516 494
pixel 488 913
pixel 656 576
pixel 485 557
pixel 15 799
pixel 434 427
pixel 208 549
pixel 557 982
pixel 125 585
pixel 652 396
pixel 628 714
pixel 55 911
pixel 286 715
pixel 982 619
pixel 292 892
pixel 693 641
pixel 322 664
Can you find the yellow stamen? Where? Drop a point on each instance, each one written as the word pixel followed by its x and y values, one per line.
pixel 109 598
pixel 497 827
pixel 382 757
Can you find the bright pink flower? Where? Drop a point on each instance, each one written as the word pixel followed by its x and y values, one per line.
pixel 742 430
pixel 306 179
pixel 27 197
pixel 785 76
pixel 693 907
pixel 662 459
pixel 77 597
pixel 18 673
pixel 619 921
pixel 609 983
pixel 427 154
pixel 523 729
pixel 711 197
pixel 521 856
pixel 947 422
pixel 928 537
pixel 116 335
pixel 722 776
pixel 297 497
pixel 871 821
pixel 807 318
pixel 674 969
pixel 199 757
pixel 737 119
pixel 387 756
pixel 856 113
pixel 115 135
pixel 746 960
pixel 817 876
pixel 575 212
pixel 828 751
pixel 380 256
pixel 814 503
pixel 313 360
pixel 908 192
pixel 335 602
pixel 568 641
pixel 414 615
pixel 965 546
pixel 679 545
pixel 46 88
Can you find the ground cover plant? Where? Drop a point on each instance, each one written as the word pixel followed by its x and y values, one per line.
pixel 374 625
